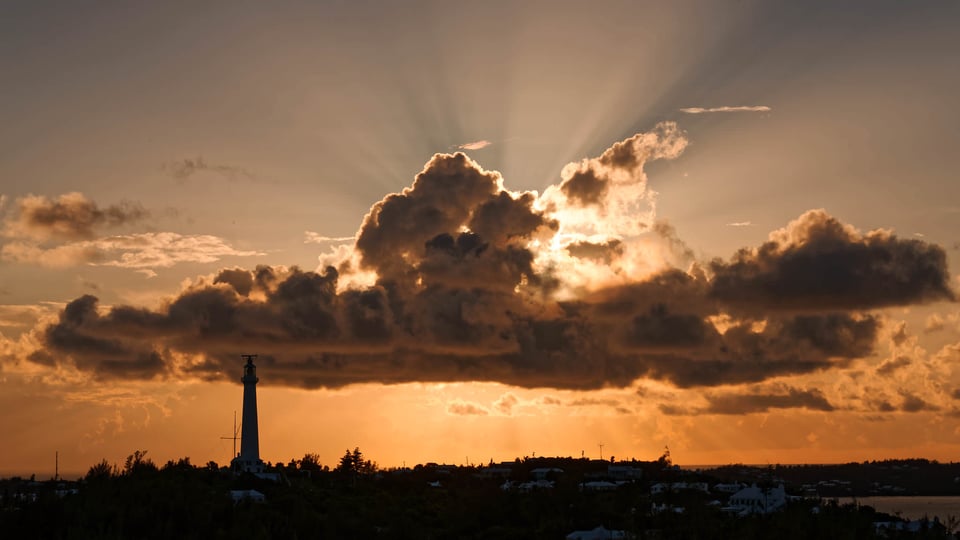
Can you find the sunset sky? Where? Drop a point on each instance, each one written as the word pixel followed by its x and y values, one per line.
pixel 457 232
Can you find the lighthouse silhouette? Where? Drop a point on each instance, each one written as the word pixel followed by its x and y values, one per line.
pixel 249 458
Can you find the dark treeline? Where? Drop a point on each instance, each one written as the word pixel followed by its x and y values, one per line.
pixel 357 499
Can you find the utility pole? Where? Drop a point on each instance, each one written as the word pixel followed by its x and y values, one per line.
pixel 601 451
pixel 56 466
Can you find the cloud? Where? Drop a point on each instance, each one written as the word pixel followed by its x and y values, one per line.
pixel 475 145
pixel 934 323
pixel 899 335
pixel 506 403
pixel 589 181
pixel 817 262
pixel 735 403
pixel 740 224
pixel 914 403
pixel 71 216
pixel 463 408
pixel 186 168
pixel 889 367
pixel 465 280
pixel 310 237
pixel 67 231
pixel 20 316
pixel 745 108
pixel 135 251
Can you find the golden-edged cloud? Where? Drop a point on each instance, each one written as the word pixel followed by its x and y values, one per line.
pixel 739 108
pixel 475 145
pixel 310 237
pixel 582 287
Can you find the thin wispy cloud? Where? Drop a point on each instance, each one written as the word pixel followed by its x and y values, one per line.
pixel 140 252
pixel 740 224
pixel 475 145
pixel 740 108
pixel 184 169
pixel 310 237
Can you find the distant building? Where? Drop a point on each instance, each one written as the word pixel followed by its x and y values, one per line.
pixel 659 488
pixel 535 485
pixel 755 500
pixel 728 488
pixel 676 487
pixel 624 472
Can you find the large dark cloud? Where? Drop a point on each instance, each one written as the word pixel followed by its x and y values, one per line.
pixel 452 194
pixel 460 295
pixel 311 335
pixel 818 263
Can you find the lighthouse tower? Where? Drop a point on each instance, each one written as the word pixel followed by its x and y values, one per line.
pixel 249 458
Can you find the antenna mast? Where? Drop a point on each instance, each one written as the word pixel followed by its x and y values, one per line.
pixel 235 437
pixel 601 451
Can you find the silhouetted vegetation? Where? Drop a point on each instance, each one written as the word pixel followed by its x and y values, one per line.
pixel 357 499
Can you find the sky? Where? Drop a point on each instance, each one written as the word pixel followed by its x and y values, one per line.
pixel 469 231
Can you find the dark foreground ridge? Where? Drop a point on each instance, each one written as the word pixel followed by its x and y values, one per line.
pixel 526 498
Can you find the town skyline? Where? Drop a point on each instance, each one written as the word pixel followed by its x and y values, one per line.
pixel 457 231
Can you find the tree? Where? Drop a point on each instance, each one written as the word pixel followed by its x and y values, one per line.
pixel 100 471
pixel 353 463
pixel 664 459
pixel 137 462
pixel 309 462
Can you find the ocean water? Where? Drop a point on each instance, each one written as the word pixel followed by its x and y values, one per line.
pixel 911 507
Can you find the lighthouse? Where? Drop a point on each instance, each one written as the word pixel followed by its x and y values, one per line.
pixel 249 458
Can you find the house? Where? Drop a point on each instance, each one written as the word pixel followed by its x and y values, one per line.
pixel 755 500
pixel 883 528
pixel 698 486
pixel 599 533
pixel 624 472
pixel 535 485
pixel 541 473
pixel 675 487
